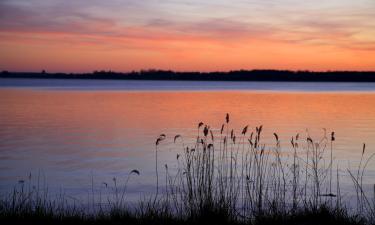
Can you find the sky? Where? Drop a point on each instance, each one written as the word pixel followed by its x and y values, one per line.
pixel 186 35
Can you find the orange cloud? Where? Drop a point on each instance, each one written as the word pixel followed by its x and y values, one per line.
pixel 69 39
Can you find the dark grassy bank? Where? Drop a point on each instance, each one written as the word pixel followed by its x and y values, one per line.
pixel 322 216
pixel 223 177
pixel 239 75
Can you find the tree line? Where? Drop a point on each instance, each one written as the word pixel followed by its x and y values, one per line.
pixel 237 75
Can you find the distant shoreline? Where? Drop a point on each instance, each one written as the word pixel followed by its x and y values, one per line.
pixel 239 75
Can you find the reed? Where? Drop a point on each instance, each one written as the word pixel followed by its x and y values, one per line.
pixel 245 180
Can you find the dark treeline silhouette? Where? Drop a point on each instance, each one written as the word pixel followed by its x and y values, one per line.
pixel 238 75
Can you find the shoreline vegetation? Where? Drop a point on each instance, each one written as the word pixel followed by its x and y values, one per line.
pixel 224 177
pixel 237 75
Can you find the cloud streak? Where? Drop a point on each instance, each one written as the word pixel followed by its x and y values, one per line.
pixel 171 27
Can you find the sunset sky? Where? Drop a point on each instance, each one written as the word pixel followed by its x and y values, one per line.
pixel 204 35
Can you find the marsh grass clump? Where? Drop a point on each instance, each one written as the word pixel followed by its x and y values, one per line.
pixel 223 177
pixel 241 178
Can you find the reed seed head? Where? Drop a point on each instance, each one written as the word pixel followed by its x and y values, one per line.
pixel 205 130
pixel 364 147
pixel 276 136
pixel 175 137
pixel 245 130
pixel 333 136
pixel 135 171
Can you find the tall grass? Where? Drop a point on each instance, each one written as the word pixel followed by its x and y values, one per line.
pixel 243 179
pixel 226 178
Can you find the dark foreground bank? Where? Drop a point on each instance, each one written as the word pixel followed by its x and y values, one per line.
pixel 320 216
pixel 238 75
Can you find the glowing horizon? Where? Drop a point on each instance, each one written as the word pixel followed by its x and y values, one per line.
pixel 186 35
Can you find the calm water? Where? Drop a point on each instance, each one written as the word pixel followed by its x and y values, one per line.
pixel 73 132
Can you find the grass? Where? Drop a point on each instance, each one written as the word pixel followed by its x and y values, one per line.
pixel 222 178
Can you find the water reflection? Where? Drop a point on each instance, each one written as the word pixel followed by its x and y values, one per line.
pixel 69 135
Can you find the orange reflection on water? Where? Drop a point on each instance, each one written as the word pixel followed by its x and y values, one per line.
pixel 124 115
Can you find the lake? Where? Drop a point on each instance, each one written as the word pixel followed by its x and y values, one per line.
pixel 70 134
